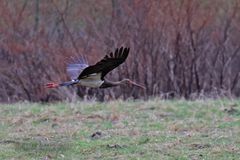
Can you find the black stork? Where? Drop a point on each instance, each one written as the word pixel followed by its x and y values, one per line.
pixel 93 76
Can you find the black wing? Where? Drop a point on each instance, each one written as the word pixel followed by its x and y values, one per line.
pixel 108 63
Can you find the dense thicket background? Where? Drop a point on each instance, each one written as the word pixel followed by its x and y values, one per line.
pixel 179 48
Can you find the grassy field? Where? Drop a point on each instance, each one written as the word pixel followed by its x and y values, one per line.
pixel 154 129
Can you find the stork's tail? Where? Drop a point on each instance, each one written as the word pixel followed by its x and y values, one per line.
pixel 56 85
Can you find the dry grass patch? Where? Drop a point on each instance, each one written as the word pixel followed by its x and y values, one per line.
pixel 153 129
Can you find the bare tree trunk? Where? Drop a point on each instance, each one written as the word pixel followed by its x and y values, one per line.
pixel 37 15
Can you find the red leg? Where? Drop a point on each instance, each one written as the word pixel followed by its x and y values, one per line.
pixel 52 85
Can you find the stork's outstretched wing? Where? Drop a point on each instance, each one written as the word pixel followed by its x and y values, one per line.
pixel 108 63
pixel 76 68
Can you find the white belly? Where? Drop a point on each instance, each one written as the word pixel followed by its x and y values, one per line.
pixel 93 81
pixel 92 84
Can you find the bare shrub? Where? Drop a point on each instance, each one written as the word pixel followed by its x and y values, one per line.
pixel 179 48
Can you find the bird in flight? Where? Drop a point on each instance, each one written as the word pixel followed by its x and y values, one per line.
pixel 93 76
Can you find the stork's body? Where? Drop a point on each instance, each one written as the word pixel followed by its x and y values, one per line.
pixel 93 76
pixel 93 81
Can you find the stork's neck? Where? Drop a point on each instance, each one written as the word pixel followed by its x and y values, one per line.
pixel 121 82
pixel 116 83
pixel 108 83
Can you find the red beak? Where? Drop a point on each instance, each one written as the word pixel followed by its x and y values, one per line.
pixel 52 85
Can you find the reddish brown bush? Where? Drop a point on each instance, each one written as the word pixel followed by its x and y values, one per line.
pixel 179 48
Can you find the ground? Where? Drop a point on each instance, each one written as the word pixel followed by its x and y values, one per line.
pixel 154 129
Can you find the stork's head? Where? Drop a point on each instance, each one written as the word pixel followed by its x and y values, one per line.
pixel 130 82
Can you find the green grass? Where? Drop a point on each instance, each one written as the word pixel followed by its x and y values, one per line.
pixel 154 129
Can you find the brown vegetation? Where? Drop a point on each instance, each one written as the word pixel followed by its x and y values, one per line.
pixel 179 48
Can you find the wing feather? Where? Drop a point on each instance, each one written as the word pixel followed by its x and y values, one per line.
pixel 108 63
pixel 75 69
